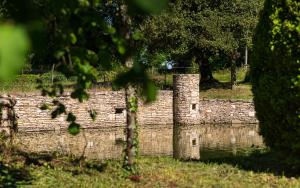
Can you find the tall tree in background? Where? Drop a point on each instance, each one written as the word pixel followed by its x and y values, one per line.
pixel 202 29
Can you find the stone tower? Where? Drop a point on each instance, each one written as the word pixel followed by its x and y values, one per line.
pixel 186 114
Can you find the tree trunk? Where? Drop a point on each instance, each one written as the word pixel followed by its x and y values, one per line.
pixel 233 74
pixel 205 72
pixel 246 56
pixel 130 127
pixel 131 122
pixel 234 57
pixel 130 92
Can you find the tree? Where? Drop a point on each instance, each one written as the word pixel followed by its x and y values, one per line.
pixel 83 35
pixel 275 73
pixel 203 29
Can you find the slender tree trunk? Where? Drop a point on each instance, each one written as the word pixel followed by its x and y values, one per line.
pixel 233 74
pixel 52 73
pixel 234 56
pixel 130 92
pixel 130 127
pixel 246 56
pixel 247 76
pixel 131 109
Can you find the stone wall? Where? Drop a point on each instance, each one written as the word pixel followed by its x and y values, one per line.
pixel 159 112
pixel 227 111
pixel 110 108
pixel 102 138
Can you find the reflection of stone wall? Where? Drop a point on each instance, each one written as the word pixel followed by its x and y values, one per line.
pixel 97 143
pixel 107 143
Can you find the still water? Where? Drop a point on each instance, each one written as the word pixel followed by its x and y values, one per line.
pixel 156 140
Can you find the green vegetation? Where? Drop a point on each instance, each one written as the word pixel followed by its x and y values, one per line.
pixel 81 37
pixel 275 72
pixel 204 32
pixel 222 89
pixel 45 171
pixel 27 83
pixel 241 91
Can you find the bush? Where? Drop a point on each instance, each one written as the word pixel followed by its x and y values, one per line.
pixel 275 73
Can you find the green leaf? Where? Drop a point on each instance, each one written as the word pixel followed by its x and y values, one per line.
pixel 73 38
pixel 137 35
pixel 151 6
pixel 71 117
pixel 14 45
pixel 74 128
pixel 93 114
pixel 44 106
pixel 121 49
pixel 150 91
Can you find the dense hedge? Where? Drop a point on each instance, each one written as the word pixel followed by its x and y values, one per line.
pixel 275 73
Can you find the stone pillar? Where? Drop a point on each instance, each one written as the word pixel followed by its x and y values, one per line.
pixel 186 114
pixel 8 118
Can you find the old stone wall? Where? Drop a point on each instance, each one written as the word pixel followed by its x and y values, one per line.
pixel 159 112
pixel 110 108
pixel 227 111
pixel 103 138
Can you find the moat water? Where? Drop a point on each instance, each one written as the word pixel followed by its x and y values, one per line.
pixel 215 141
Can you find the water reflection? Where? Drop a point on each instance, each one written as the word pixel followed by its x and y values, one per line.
pixel 157 140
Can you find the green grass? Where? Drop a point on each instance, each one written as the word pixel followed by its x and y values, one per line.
pixel 154 172
pixel 241 91
pixel 27 83
pixel 223 91
pixel 224 75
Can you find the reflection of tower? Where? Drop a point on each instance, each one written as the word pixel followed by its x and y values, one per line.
pixel 186 113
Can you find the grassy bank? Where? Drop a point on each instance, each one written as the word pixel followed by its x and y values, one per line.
pixel 27 83
pixel 154 172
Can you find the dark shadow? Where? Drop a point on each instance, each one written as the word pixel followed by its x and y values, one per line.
pixel 218 85
pixel 70 163
pixel 13 176
pixel 262 161
pixel 215 85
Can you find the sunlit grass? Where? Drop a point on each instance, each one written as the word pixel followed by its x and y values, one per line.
pixel 27 83
pixel 155 172
pixel 224 75
pixel 241 91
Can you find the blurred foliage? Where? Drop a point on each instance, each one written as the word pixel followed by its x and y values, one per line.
pixel 14 45
pixel 275 71
pixel 82 37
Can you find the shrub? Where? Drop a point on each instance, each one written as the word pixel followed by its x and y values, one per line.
pixel 275 73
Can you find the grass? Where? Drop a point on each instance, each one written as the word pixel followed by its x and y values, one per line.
pixel 241 91
pixel 223 91
pixel 224 75
pixel 242 171
pixel 27 83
